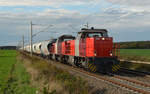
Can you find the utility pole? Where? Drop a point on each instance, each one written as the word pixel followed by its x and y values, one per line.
pixel 23 42
pixel 32 35
pixel 31 40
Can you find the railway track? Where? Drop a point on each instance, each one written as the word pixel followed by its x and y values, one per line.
pixel 132 81
pixel 125 83
pixel 132 85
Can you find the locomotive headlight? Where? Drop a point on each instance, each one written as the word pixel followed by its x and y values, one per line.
pixel 110 54
pixel 95 54
pixel 103 38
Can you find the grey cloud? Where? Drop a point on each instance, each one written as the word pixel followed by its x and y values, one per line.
pixel 114 11
pixel 18 24
pixel 133 5
pixel 54 3
pixel 131 2
pixel 119 22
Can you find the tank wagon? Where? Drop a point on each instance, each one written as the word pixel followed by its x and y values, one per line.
pixel 92 49
pixel 37 48
pixel 45 48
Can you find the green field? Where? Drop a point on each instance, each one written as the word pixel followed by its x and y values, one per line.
pixel 13 77
pixel 135 54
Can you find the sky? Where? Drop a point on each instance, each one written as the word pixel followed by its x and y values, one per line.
pixel 125 20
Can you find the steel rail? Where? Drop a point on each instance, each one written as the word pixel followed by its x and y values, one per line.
pixel 131 80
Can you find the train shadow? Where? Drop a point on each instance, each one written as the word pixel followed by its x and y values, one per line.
pixel 129 74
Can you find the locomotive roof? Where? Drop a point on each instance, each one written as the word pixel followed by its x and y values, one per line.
pixel 92 30
pixel 66 36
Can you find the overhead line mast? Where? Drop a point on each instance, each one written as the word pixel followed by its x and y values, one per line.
pixel 31 39
pixel 23 42
pixel 32 35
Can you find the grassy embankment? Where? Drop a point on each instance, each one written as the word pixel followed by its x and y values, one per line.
pixel 45 78
pixel 137 55
pixel 52 80
pixel 13 77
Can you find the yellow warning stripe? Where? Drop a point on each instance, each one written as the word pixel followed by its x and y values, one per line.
pixel 118 66
pixel 94 70
pixel 115 67
pixel 92 67
pixel 113 70
pixel 89 65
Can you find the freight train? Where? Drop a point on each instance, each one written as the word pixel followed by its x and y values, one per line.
pixel 92 49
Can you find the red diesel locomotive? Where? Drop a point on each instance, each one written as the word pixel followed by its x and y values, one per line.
pixel 92 49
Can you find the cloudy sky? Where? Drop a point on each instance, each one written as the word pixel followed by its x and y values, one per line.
pixel 126 20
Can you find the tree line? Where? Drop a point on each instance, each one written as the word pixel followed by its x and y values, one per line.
pixel 7 47
pixel 135 45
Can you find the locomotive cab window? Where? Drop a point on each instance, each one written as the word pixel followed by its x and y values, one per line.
pixel 91 35
pixel 94 35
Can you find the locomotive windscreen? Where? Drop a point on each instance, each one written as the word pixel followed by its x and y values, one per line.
pixel 95 35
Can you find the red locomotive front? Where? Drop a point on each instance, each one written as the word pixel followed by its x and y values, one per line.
pixel 96 47
pixel 95 50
